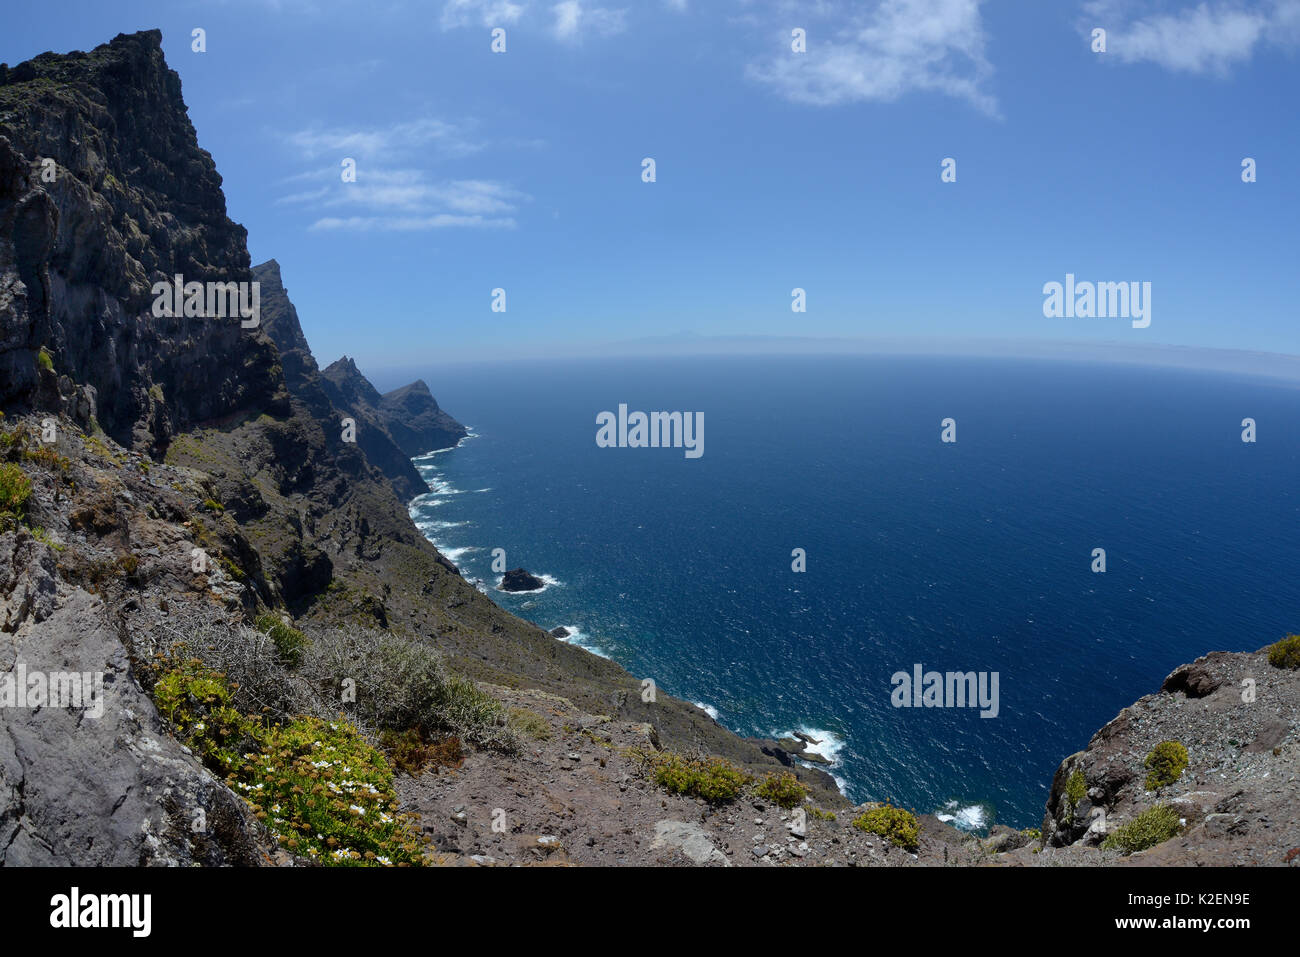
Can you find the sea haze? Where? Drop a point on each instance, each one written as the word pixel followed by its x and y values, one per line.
pixel 973 556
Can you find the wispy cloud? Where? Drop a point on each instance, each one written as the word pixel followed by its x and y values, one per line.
pixel 407 223
pixel 573 20
pixel 485 13
pixel 448 139
pixel 569 21
pixel 860 52
pixel 1211 37
pixel 393 190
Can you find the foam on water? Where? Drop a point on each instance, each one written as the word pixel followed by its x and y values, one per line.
pixel 966 817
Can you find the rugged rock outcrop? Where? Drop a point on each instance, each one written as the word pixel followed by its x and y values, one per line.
pixel 303 377
pixel 409 416
pixel 517 579
pixel 104 191
pixel 416 423
pixel 1239 719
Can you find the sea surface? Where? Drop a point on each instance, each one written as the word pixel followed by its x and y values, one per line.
pixel 967 556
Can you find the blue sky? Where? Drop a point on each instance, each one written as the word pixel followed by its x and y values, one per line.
pixel 775 170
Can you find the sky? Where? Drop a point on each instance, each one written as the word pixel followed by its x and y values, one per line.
pixel 775 169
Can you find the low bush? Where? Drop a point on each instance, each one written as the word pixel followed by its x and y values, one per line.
pixel 782 789
pixel 1165 764
pixel 897 826
pixel 1285 653
pixel 321 789
pixel 1153 826
pixel 15 489
pixel 715 780
pixel 289 641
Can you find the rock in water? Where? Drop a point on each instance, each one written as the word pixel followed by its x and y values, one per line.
pixel 519 580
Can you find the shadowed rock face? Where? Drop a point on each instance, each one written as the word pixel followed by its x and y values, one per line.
pixel 409 416
pixel 415 421
pixel 280 322
pixel 129 200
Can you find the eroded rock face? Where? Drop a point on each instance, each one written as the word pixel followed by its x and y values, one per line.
pixel 1239 719
pixel 103 783
pixel 280 321
pixel 409 416
pixel 416 422
pixel 103 192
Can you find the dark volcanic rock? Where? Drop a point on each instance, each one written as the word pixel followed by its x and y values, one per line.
pixel 519 580
pixel 416 423
pixel 129 199
pixel 408 416
pixel 280 322
pixel 560 632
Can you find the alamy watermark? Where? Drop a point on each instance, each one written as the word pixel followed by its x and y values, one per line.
pixel 212 300
pixel 22 688
pixel 952 689
pixel 651 430
pixel 1098 300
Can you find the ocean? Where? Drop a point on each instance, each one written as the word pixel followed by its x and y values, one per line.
pixel 969 556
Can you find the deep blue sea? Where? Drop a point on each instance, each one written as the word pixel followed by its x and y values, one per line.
pixel 970 556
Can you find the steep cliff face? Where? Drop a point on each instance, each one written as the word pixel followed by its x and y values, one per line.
pixel 409 416
pixel 104 191
pixel 280 322
pixel 416 422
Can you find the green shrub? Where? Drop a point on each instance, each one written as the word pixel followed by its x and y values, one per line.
pixel 821 814
pixel 212 505
pixel 15 489
pixel 782 789
pixel 529 723
pixel 289 641
pixel 44 361
pixel 409 751
pixel 1076 789
pixel 317 785
pixel 1285 653
pixel 894 824
pixel 1165 764
pixel 324 792
pixel 197 701
pixel 715 780
pixel 1153 826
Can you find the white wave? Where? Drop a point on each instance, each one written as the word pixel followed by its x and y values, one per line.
pixel 825 744
pixel 430 525
pixel 548 581
pixel 577 636
pixel 968 817
pixel 428 455
pixel 453 555
pixel 708 709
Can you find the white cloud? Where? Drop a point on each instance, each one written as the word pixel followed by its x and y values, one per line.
pixel 573 21
pixel 407 223
pixel 392 190
pixel 448 139
pixel 1208 38
pixel 487 13
pixel 882 51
